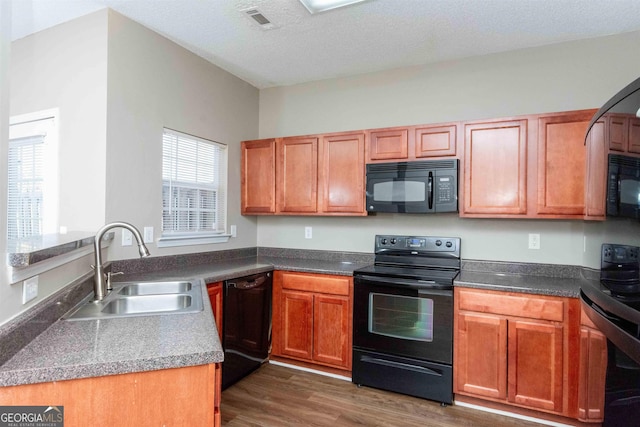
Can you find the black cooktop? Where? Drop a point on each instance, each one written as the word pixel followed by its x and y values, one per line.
pixel 439 276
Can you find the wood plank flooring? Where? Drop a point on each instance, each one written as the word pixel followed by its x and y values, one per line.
pixel 280 396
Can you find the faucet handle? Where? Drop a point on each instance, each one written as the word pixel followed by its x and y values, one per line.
pixel 109 275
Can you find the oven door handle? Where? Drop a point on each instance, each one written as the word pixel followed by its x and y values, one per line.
pixel 405 366
pixel 423 285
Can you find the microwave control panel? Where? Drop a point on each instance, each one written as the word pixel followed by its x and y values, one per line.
pixel 446 189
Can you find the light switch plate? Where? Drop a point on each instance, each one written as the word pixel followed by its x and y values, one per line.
pixel 148 235
pixel 29 289
pixel 127 237
pixel 308 232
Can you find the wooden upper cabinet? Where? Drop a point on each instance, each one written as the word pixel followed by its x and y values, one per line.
pixel 618 131
pixel 404 144
pixel 596 179
pixel 633 144
pixel 562 163
pixel 342 175
pixel 495 168
pixel 297 174
pixel 389 144
pixel 435 141
pixel 258 177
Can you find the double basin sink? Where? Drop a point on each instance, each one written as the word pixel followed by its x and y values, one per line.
pixel 128 299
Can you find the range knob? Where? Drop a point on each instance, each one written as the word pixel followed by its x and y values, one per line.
pixel 448 244
pixel 393 240
pixel 383 241
pixel 438 242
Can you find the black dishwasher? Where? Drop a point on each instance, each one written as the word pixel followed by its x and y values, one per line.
pixel 246 325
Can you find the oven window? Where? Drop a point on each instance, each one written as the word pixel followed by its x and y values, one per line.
pixel 399 191
pixel 401 317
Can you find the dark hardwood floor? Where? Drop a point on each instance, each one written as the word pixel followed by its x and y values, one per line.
pixel 281 396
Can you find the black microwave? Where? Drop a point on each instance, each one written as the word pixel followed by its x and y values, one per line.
pixel 413 187
pixel 623 186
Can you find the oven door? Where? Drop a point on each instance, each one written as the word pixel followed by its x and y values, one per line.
pixel 404 318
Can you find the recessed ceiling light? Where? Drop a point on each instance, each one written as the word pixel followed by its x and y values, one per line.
pixel 317 6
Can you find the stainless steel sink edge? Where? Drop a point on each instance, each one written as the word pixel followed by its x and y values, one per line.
pixel 88 309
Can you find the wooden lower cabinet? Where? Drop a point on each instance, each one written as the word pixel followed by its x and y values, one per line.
pixel 188 396
pixel 517 349
pixel 312 318
pixel 215 298
pixel 593 370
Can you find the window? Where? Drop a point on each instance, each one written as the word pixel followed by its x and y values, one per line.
pixel 32 181
pixel 194 183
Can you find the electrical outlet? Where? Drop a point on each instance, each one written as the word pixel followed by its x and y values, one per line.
pixel 127 237
pixel 308 232
pixel 233 230
pixel 534 241
pixel 29 289
pixel 148 235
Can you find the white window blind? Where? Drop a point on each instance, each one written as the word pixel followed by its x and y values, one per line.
pixel 194 183
pixel 32 178
pixel 25 187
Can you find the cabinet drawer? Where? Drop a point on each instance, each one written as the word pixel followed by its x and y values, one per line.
pixel 535 307
pixel 335 285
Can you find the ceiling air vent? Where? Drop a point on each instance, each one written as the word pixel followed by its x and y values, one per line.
pixel 258 17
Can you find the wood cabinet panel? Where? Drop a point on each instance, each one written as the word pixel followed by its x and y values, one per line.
pixel 531 306
pixel 481 355
pixel 173 397
pixel 215 298
pixel 536 365
pixel 308 282
pixel 297 174
pixel 633 144
pixel 618 130
pixel 388 144
pixel 495 167
pixel 596 179
pixel 435 141
pixel 593 371
pixel 342 173
pixel 297 324
pixel 332 345
pixel 312 318
pixel 258 176
pixel 562 163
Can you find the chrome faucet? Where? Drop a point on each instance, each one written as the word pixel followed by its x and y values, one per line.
pixel 100 280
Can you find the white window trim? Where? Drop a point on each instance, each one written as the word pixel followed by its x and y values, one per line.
pixel 177 238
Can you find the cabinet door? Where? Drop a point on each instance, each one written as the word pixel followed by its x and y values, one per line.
pixel 388 144
pixel 593 369
pixel 331 330
pixel 258 178
pixel 342 173
pixel 634 135
pixel 297 324
pixel 215 297
pixel 535 364
pixel 561 164
pixel 435 141
pixel 495 168
pixel 480 359
pixel 618 132
pixel 297 174
pixel 596 180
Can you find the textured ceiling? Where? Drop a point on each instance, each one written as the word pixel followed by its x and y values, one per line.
pixel 371 36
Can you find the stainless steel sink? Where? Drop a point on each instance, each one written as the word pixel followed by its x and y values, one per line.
pixel 130 299
pixel 154 288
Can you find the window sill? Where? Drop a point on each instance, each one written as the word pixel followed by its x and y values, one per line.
pixel 183 240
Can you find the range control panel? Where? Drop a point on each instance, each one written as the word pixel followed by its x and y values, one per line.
pixel 418 244
pixel 618 254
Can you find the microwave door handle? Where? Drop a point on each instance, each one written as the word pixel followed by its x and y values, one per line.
pixel 618 192
pixel 430 185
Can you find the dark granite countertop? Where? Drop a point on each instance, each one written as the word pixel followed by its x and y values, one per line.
pixel 78 349
pixel 540 279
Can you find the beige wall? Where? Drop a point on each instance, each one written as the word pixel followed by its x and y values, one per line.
pixel 116 85
pixel 6 301
pixel 154 83
pixel 562 77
